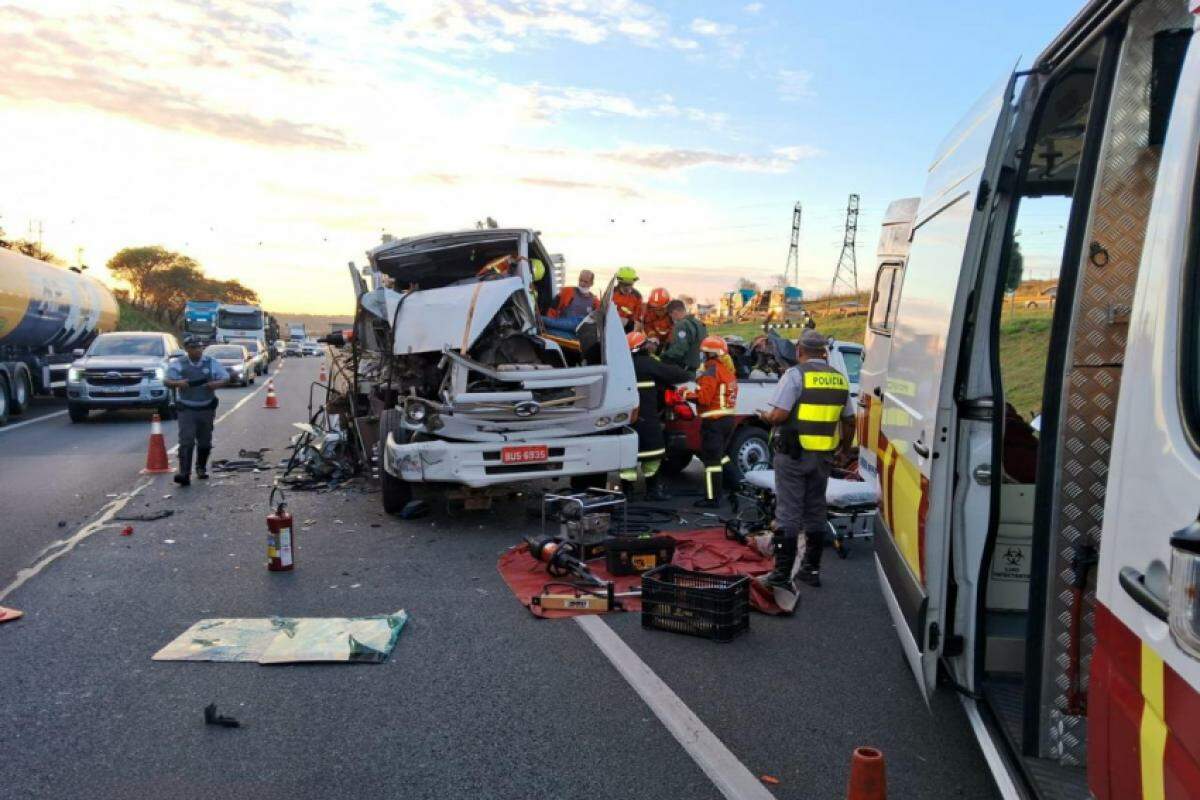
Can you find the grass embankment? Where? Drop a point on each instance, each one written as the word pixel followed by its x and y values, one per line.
pixel 134 319
pixel 1024 344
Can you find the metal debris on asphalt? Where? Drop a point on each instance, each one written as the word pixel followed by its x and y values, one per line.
pixel 211 717
pixel 147 516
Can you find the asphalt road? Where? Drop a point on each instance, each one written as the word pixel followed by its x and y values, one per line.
pixel 479 699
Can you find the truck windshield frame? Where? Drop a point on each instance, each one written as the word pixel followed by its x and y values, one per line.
pixel 236 320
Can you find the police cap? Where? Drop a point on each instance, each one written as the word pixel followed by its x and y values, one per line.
pixel 813 340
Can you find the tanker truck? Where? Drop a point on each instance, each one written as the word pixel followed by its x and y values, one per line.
pixel 46 312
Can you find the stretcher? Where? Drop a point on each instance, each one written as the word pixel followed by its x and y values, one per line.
pixel 851 504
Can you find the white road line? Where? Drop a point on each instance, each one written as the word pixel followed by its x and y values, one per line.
pixel 722 767
pixel 12 426
pixel 236 405
pixel 67 545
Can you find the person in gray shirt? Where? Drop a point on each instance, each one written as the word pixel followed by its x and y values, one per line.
pixel 196 376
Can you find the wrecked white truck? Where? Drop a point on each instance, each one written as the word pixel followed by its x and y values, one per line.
pixel 469 387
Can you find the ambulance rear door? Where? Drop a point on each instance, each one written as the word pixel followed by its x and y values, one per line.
pixel 911 427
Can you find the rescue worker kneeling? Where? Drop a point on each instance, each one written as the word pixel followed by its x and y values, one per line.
pixel 813 418
pixel 716 399
pixel 652 377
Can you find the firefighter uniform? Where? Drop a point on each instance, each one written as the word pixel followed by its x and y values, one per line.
pixel 817 399
pixel 716 398
pixel 629 306
pixel 652 377
pixel 656 322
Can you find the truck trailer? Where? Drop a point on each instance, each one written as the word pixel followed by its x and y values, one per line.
pixel 1049 575
pixel 46 313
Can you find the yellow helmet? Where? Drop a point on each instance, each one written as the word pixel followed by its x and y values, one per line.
pixel 627 274
pixel 539 269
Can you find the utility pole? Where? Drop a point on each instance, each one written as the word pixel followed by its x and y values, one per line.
pixel 845 274
pixel 791 271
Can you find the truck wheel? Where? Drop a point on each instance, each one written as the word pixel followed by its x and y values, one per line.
pixel 22 392
pixel 77 413
pixel 4 403
pixel 394 492
pixel 749 450
pixel 675 462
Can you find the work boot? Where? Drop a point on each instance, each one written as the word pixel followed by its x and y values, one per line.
pixel 184 476
pixel 713 485
pixel 202 463
pixel 785 548
pixel 810 565
pixel 654 490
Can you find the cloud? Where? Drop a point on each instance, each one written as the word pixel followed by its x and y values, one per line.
pixel 559 183
pixel 706 27
pixel 669 159
pixel 795 84
pixel 684 44
pixel 753 8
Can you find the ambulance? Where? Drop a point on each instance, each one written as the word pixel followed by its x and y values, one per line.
pixel 1049 574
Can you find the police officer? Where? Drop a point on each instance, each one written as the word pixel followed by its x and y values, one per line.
pixel 652 377
pixel 813 418
pixel 195 376
pixel 716 399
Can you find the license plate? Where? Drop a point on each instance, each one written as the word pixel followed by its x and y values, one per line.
pixel 528 454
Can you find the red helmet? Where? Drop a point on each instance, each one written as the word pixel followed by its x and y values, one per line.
pixel 714 344
pixel 658 298
pixel 636 340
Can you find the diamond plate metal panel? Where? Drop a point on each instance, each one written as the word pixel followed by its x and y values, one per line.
pixel 1104 295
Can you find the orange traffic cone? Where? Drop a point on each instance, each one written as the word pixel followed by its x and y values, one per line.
pixel 272 401
pixel 9 614
pixel 156 455
pixel 868 779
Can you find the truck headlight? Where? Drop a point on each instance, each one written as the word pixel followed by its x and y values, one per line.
pixel 1183 608
pixel 75 375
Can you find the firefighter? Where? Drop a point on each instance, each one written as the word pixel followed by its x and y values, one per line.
pixel 716 398
pixel 656 321
pixel 652 377
pixel 683 348
pixel 627 299
pixel 195 377
pixel 813 418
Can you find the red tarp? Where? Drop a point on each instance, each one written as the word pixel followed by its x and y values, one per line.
pixel 701 550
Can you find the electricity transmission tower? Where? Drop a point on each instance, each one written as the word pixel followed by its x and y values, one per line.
pixel 845 275
pixel 791 272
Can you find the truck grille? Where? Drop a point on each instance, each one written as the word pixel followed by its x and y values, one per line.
pixel 108 377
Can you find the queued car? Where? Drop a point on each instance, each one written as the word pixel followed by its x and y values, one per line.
pixel 293 350
pixel 234 358
pixel 311 347
pixel 122 370
pixel 258 354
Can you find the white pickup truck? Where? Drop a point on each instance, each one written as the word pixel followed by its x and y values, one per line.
pixel 470 388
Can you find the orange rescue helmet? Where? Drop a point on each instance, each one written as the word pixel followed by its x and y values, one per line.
pixel 636 340
pixel 658 298
pixel 714 344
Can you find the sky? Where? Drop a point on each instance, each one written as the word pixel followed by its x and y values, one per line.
pixel 276 140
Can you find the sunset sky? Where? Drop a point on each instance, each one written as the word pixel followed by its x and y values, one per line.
pixel 274 141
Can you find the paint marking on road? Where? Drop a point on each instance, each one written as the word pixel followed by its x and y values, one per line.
pixel 236 405
pixel 728 774
pixel 12 426
pixel 67 545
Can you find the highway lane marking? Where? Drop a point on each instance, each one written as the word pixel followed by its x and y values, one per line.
pixel 728 774
pixel 12 426
pixel 67 545
pixel 236 405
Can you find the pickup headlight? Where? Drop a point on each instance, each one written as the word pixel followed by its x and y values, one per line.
pixel 156 374
pixel 75 375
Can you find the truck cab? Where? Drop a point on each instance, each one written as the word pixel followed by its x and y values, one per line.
pixel 1048 574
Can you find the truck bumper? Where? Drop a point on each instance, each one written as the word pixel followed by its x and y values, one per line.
pixel 479 464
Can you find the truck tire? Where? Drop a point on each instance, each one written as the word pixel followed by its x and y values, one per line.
pixel 748 450
pixel 4 399
pixel 675 462
pixel 77 413
pixel 394 492
pixel 22 391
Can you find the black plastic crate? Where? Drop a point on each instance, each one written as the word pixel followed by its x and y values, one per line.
pixel 714 607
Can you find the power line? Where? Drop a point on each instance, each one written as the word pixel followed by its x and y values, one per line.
pixel 846 272
pixel 791 270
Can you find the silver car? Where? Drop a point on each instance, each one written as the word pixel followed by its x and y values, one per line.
pixel 234 358
pixel 258 354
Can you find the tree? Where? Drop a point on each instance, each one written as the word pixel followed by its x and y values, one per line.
pixel 1016 266
pixel 165 290
pixel 135 264
pixel 746 283
pixel 31 249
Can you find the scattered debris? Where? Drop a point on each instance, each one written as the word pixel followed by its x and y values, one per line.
pixel 148 516
pixel 286 640
pixel 211 717
pixel 127 530
pixel 414 509
pixel 254 454
pixel 769 779
pixel 168 541
pixel 9 614
pixel 62 523
pixel 238 465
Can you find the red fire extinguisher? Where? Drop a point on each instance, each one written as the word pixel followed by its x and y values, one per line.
pixel 281 539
